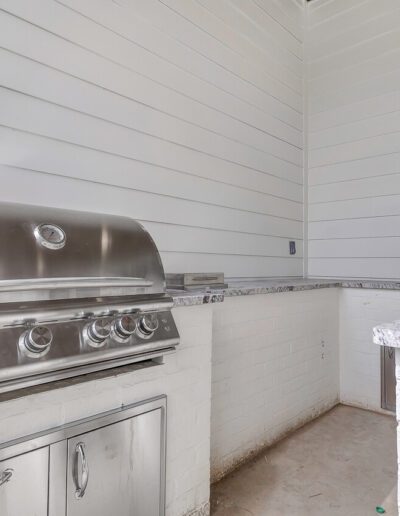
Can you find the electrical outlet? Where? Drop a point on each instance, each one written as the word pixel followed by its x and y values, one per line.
pixel 292 247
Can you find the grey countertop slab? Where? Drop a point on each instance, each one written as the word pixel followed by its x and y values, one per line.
pixel 271 286
pixel 387 334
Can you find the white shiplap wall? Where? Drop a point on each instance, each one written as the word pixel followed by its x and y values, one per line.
pixel 353 54
pixel 184 114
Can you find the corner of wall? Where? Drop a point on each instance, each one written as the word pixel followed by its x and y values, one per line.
pixel 305 143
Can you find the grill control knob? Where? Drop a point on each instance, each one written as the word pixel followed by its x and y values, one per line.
pixel 99 330
pixel 38 339
pixel 148 324
pixel 124 326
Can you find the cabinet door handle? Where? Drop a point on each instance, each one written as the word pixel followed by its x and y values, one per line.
pixel 80 456
pixel 6 476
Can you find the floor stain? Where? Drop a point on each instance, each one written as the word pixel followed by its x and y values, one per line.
pixel 342 463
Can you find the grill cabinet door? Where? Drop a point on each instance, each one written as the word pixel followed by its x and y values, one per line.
pixel 24 484
pixel 123 462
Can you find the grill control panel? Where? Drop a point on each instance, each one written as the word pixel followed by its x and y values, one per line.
pixel 120 328
pixel 51 348
pixel 128 329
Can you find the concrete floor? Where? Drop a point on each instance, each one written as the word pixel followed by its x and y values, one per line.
pixel 342 463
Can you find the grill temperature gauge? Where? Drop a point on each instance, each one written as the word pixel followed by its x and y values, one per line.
pixel 50 236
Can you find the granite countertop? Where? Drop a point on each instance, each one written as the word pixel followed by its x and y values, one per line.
pixel 387 334
pixel 271 286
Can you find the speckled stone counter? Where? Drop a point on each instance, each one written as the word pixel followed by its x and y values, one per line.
pixel 387 334
pixel 197 297
pixel 271 286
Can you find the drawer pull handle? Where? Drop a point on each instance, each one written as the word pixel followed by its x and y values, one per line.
pixel 6 476
pixel 80 456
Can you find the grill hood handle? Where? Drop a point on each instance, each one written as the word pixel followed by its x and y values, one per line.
pixel 62 283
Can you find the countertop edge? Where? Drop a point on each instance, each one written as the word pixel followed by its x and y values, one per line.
pixel 273 286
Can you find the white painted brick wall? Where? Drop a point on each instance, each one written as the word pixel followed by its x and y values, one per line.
pixel 275 365
pixel 185 378
pixel 360 311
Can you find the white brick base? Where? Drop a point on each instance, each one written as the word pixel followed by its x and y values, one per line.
pixel 275 366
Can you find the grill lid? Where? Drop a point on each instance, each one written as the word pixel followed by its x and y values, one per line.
pixel 52 253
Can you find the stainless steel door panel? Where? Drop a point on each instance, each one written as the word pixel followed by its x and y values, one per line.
pixel 388 379
pixel 117 470
pixel 24 484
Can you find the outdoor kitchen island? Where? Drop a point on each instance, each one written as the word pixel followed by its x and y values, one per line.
pixel 388 334
pixel 255 361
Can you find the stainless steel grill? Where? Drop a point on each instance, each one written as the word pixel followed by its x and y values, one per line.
pixel 79 292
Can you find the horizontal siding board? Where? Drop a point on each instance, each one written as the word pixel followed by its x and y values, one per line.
pixel 163 112
pixel 21 185
pixel 383 23
pixel 72 93
pixel 356 92
pixel 373 166
pixel 322 10
pixel 264 25
pixel 245 52
pixel 232 18
pixel 345 190
pixel 364 70
pixel 84 195
pixel 358 12
pixel 206 241
pixel 362 54
pixel 55 122
pixel 368 147
pixel 136 60
pixel 355 208
pixel 286 13
pixel 250 84
pixel 292 8
pixel 54 157
pixel 385 268
pixel 38 45
pixel 373 227
pixel 355 248
pixel 354 192
pixel 209 35
pixel 359 110
pixel 233 266
pixel 353 131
